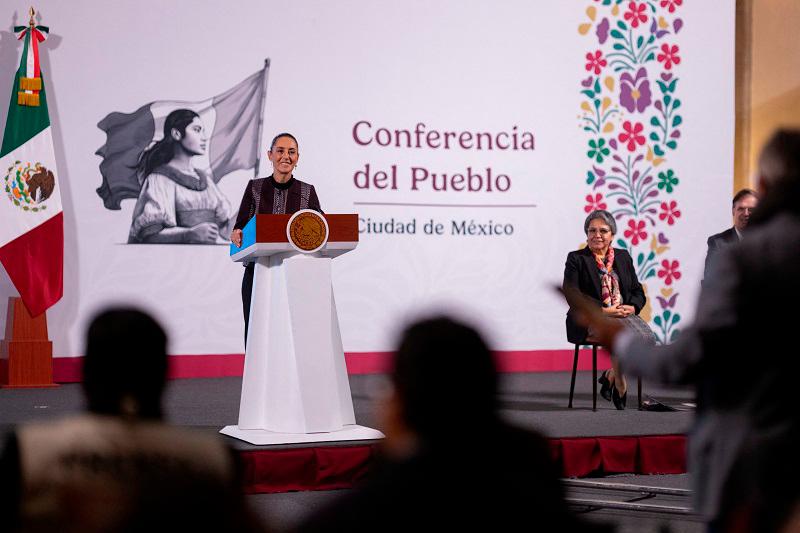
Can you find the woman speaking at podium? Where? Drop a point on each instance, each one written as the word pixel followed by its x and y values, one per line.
pixel 280 193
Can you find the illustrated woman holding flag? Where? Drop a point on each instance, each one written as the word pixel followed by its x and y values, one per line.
pixel 178 203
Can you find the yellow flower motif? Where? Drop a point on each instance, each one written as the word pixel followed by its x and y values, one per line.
pixel 586 107
pixel 609 82
pixel 608 128
pixel 592 12
pixel 606 103
pixel 666 292
pixel 583 29
pixel 615 10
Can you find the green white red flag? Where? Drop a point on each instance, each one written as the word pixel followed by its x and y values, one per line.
pixel 31 218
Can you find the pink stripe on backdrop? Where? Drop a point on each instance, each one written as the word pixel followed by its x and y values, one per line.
pixel 68 369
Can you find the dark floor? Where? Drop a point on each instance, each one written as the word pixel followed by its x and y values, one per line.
pixel 530 400
pixel 537 401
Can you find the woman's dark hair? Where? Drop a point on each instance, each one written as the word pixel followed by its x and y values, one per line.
pixel 163 151
pixel 125 368
pixel 779 172
pixel 445 378
pixel 281 135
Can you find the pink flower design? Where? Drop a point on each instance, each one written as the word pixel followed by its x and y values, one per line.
pixel 669 212
pixel 671 4
pixel 635 13
pixel 632 134
pixel 594 203
pixel 635 231
pixel 669 55
pixel 669 271
pixel 595 61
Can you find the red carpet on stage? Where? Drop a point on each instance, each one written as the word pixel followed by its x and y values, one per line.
pixel 334 467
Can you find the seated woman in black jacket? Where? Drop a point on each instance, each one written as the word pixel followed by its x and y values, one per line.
pixel 606 275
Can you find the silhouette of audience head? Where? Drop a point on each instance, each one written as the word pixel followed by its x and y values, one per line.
pixel 779 175
pixel 444 378
pixel 125 368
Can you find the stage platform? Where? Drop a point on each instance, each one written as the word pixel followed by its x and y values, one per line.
pixel 586 443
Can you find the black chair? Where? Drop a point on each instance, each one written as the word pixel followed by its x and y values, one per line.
pixel 594 378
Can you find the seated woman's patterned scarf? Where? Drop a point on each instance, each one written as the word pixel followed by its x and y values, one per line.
pixel 609 284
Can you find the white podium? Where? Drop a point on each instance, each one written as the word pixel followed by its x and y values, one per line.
pixel 295 387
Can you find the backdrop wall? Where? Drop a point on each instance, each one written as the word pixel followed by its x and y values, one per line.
pixel 543 109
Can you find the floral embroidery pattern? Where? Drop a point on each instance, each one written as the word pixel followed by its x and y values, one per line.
pixel 630 112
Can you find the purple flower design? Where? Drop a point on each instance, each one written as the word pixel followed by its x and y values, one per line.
pixel 602 30
pixel 667 304
pixel 635 91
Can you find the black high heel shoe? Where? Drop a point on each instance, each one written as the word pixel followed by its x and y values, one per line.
pixel 619 401
pixel 605 386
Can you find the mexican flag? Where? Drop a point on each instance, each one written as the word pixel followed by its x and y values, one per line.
pixel 31 220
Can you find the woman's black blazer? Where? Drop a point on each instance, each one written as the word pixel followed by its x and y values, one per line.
pixel 581 271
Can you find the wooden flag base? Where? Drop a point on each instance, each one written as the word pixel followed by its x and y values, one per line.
pixel 26 354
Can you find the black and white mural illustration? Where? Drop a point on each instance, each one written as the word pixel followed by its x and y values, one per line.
pixel 169 156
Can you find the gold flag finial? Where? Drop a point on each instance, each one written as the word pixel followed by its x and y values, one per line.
pixel 33 16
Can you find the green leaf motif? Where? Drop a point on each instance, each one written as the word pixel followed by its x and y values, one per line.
pixel 639 41
pixel 650 273
pixel 667 100
pixel 621 25
pixel 676 104
pixel 639 259
pixel 597 85
pixel 654 136
pixel 651 56
pixel 588 93
pixel 589 177
pixel 658 151
pixel 672 145
pixel 622 244
pixel 657 321
pixel 677 121
pixel 655 122
pixel 618 46
pixel 616 34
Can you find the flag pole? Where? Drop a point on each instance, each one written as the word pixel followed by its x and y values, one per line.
pixel 261 119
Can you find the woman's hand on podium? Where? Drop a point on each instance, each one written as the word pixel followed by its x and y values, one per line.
pixel 236 237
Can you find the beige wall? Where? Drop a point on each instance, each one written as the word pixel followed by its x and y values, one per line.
pixel 767 77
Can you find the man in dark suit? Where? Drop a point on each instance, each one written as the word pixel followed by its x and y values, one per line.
pixel 743 204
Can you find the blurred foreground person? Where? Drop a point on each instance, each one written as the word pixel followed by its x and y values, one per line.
pixel 737 353
pixel 449 462
pixel 119 467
